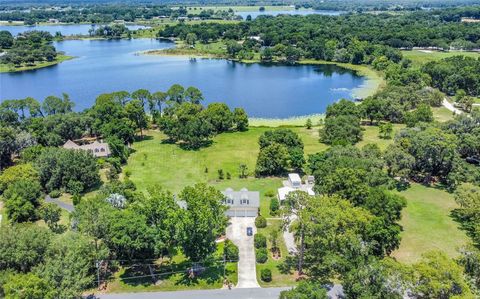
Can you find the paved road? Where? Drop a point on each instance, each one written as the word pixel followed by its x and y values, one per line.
pixel 336 292
pixel 69 207
pixel 237 232
pixel 245 293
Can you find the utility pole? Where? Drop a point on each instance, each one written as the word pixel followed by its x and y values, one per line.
pixel 224 266
pixel 98 273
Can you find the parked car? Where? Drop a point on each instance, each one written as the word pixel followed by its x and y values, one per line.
pixel 249 231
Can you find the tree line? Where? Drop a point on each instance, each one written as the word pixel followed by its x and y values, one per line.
pixel 289 38
pixel 27 48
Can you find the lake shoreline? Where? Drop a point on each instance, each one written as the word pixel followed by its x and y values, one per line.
pixel 6 68
pixel 261 114
pixel 373 83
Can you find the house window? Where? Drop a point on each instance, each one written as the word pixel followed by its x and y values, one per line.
pixel 102 150
pixel 244 201
pixel 96 150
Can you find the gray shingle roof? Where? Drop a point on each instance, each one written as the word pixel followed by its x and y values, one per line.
pixel 242 198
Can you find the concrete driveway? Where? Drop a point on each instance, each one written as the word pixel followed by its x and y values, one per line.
pixel 237 233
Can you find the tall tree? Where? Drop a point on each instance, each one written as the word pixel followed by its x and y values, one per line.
pixel 22 199
pixel 193 95
pixel 204 221
pixel 141 95
pixel 176 93
pixel 135 112
pixel 292 210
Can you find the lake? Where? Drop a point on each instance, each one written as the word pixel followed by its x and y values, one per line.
pixel 269 91
pixel 73 29
pixel 300 12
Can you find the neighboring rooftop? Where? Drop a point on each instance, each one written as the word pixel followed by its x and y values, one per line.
pixel 98 149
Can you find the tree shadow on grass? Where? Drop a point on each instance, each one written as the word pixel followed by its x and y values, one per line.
pixel 143 138
pixel 140 275
pixel 465 220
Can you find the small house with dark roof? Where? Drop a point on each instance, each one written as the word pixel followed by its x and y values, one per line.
pixel 243 203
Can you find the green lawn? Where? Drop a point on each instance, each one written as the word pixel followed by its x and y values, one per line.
pixel 370 135
pixel 279 278
pixel 173 168
pixel 167 165
pixel 5 68
pixel 419 58
pixel 172 276
pixel 427 224
pixel 442 114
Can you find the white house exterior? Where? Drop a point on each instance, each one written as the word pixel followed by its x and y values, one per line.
pixel 242 203
pixel 294 183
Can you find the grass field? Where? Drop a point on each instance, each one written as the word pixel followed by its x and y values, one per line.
pixel 172 276
pixel 442 114
pixel 427 224
pixel 167 165
pixel 5 68
pixel 419 58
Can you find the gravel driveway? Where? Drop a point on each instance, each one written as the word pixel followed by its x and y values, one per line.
pixel 237 232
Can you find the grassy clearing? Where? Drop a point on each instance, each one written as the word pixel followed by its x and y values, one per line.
pixel 298 121
pixel 169 166
pixel 442 114
pixel 427 224
pixel 370 135
pixel 279 278
pixel 172 276
pixel 419 58
pixel 6 68
pixel 157 163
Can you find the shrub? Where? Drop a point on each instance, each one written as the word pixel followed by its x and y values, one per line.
pixel 270 193
pixel 128 173
pixel 76 198
pixel 55 194
pixel 230 251
pixel 220 174
pixel 229 176
pixel 260 222
pixel 308 124
pixel 266 275
pixel 261 255
pixel 274 206
pixel 260 241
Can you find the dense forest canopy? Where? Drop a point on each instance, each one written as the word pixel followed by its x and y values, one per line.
pixel 27 48
pixel 409 30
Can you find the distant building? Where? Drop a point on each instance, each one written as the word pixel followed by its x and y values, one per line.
pixel 98 149
pixel 294 183
pixel 242 203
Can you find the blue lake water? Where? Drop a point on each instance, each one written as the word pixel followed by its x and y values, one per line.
pixel 102 66
pixel 73 29
pixel 300 12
